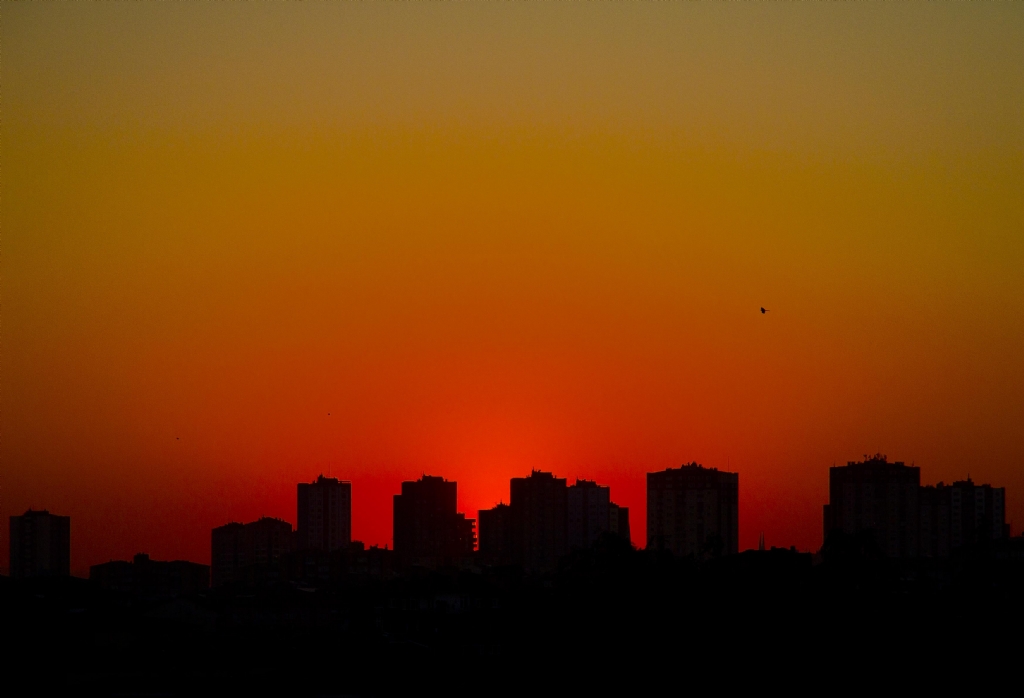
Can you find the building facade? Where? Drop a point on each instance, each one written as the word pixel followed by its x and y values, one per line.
pixel 961 515
pixel 539 513
pixel 546 519
pixel 879 497
pixel 588 507
pixel 238 551
pixel 324 514
pixel 905 519
pixel 618 521
pixel 428 529
pixel 591 514
pixel 934 529
pixel 40 545
pixel 693 510
pixel 494 529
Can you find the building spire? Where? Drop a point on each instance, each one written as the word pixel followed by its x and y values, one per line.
pixel 760 542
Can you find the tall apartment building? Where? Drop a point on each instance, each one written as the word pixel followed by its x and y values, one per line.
pixel 40 545
pixel 877 496
pixel 539 513
pixel 693 510
pixel 239 548
pixel 494 532
pixel 618 521
pixel 545 519
pixel 908 520
pixel 324 514
pixel 934 503
pixel 958 515
pixel 428 529
pixel 587 511
pixel 591 513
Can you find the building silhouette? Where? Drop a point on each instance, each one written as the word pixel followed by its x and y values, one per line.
pixel 145 577
pixel 40 545
pixel 428 529
pixel 904 519
pixel 355 564
pixel 618 521
pixel 591 514
pixel 934 521
pixel 961 515
pixel 240 552
pixel 693 510
pixel 879 497
pixel 324 514
pixel 587 513
pixel 539 514
pixel 495 535
pixel 546 519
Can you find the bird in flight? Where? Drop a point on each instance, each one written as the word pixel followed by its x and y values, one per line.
pixel 763 311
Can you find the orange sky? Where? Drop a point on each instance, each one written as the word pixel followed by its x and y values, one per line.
pixel 494 237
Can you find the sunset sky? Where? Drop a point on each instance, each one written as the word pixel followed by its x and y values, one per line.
pixel 494 237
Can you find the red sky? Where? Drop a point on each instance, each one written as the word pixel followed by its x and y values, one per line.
pixel 491 238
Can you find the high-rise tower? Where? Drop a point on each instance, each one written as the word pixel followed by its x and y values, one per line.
pixel 40 544
pixel 324 514
pixel 693 510
pixel 427 528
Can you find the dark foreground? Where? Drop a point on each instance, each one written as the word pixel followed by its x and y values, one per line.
pixel 613 620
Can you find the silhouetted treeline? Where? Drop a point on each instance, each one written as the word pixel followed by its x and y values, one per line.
pixel 610 616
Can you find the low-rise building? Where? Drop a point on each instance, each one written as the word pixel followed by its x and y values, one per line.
pixel 145 577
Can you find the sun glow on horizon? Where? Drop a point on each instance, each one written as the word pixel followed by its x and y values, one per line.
pixel 489 239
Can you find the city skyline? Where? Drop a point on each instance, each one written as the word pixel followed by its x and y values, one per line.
pixel 435 535
pixel 245 244
pixel 382 348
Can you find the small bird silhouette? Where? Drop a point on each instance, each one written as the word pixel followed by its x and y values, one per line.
pixel 763 311
pixel 177 438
